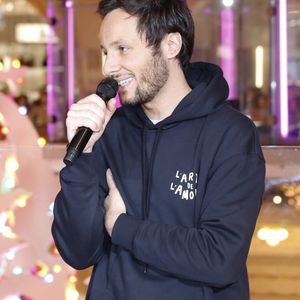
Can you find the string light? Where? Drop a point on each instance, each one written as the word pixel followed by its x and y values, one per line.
pixel 4 130
pixel 72 279
pixel 57 268
pixel 23 110
pixel 41 142
pixel 12 164
pixel 17 270
pixel 42 269
pixel 49 278
pixel 8 183
pixel 272 236
pixel 277 200
pixel 10 255
pixel 16 63
pixel 72 294
pixel 22 201
pixel 8 233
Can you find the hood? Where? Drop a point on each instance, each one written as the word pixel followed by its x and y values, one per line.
pixel 209 92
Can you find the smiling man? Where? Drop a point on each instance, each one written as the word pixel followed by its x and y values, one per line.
pixel 164 200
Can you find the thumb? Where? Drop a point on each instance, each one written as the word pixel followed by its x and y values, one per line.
pixel 111 107
pixel 110 180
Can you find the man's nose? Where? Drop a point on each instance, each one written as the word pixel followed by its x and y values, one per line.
pixel 111 65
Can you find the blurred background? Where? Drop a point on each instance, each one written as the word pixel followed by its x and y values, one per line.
pixel 50 58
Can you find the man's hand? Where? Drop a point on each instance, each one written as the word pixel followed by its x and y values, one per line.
pixel 113 204
pixel 91 112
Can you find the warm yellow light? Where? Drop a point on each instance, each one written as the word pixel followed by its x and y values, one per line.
pixel 22 201
pixel 259 69
pixel 262 234
pixel 42 269
pixel 16 63
pixel 283 234
pixel 57 268
pixel 72 294
pixel 72 279
pixel 290 192
pixel 42 142
pixel 272 239
pixel 5 130
pixel 11 217
pixel 8 233
pixel 272 236
pixel 1 116
pixel 277 200
pixel 1 66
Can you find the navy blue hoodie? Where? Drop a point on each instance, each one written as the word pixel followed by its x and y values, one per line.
pixel 192 185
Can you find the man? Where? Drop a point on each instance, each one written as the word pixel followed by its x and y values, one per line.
pixel 164 200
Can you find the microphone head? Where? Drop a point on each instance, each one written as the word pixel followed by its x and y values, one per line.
pixel 107 88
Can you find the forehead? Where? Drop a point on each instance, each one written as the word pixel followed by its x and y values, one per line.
pixel 118 25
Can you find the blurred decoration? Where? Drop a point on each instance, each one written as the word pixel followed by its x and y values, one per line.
pixel 8 7
pixel 41 142
pixel 272 236
pixel 30 266
pixel 3 128
pixel 285 192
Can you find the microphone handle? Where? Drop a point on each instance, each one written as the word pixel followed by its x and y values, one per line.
pixel 77 144
pixel 106 90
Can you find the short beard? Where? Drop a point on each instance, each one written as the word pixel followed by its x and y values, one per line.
pixel 153 78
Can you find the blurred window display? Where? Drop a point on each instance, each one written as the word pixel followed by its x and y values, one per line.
pixel 256 42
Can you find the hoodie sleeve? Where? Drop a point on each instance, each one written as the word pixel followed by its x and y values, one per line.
pixel 78 228
pixel 215 251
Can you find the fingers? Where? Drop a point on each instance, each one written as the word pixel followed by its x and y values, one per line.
pixel 91 112
pixel 112 105
pixel 110 180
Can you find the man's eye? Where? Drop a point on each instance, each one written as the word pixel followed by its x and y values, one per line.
pixel 123 49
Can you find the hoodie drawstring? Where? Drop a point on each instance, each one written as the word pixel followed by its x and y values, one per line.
pixel 147 171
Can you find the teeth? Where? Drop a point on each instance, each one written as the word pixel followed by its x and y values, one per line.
pixel 125 81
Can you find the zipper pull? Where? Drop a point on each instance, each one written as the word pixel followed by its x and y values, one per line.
pixel 146 268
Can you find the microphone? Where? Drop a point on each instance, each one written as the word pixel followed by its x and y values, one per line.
pixel 106 90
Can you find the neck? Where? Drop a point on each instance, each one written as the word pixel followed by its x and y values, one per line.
pixel 168 98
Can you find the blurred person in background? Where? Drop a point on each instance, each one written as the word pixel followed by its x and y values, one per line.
pixel 39 116
pixel 258 110
pixel 164 199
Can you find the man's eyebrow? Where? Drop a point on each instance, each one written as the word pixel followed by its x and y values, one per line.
pixel 114 43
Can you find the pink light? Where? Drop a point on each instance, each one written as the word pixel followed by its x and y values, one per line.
pixel 228 50
pixel 69 4
pixel 70 47
pixel 50 70
pixel 283 74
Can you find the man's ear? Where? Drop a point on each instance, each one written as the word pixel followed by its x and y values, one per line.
pixel 172 44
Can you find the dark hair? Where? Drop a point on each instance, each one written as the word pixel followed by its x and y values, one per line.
pixel 156 18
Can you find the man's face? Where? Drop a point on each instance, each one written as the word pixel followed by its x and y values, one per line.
pixel 140 73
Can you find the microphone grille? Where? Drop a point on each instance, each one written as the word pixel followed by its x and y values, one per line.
pixel 107 88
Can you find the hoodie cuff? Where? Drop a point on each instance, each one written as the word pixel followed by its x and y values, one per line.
pixel 125 230
pixel 82 170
